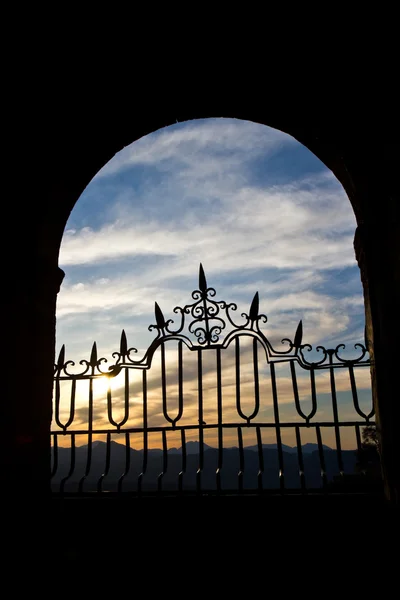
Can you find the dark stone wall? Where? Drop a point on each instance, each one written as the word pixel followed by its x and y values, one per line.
pixel 73 140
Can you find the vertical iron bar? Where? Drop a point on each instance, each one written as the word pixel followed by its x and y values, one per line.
pixel 219 409
pixel 126 403
pixel 300 460
pixel 359 444
pixel 57 397
pixel 126 415
pixel 55 456
pixel 296 390
pixel 237 372
pixel 107 467
pixel 183 470
pixel 127 461
pixel 321 457
pixel 335 415
pixel 260 459
pixel 90 438
pixel 354 391
pixel 201 434
pixel 313 395
pixel 277 428
pixel 355 397
pixel 256 379
pixel 180 382
pixel 109 405
pixel 90 415
pixel 206 317
pixel 165 461
pixel 145 433
pixel 71 466
pixel 164 382
pixel 71 406
pixel 241 460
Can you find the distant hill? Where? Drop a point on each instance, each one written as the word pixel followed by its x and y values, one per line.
pixel 194 448
pixel 191 448
pixel 154 473
pixel 306 448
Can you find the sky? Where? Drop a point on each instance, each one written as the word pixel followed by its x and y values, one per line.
pixel 255 207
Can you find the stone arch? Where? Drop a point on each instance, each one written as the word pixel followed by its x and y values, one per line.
pixel 75 155
pixel 103 151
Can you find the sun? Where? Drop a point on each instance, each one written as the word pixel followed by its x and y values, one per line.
pixel 101 385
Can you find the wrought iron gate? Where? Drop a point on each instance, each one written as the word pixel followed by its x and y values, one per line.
pixel 206 325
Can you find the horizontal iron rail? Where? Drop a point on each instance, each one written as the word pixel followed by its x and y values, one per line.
pixel 272 493
pixel 73 377
pixel 212 426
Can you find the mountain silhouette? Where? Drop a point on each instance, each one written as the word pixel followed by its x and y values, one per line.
pixel 162 471
pixel 191 448
pixel 306 448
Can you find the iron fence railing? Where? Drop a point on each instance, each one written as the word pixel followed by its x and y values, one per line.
pixel 168 450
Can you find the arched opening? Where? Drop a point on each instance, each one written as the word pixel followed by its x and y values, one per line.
pixel 287 215
pixel 363 160
pixel 275 183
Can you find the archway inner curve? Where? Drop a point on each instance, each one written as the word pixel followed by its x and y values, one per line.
pixel 251 204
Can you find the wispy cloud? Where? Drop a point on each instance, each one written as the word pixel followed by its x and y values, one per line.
pixel 254 228
pixel 300 233
pixel 249 203
pixel 230 140
pixel 110 306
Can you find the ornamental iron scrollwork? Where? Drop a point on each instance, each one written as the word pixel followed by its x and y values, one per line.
pixel 206 319
pixel 203 325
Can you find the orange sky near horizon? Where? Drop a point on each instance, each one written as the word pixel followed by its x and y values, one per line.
pixel 156 417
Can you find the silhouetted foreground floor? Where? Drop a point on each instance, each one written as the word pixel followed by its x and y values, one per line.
pixel 111 529
pixel 244 537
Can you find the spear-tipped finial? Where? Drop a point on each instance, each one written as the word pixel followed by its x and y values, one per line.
pixel 159 316
pixel 93 355
pixel 123 346
pixel 253 313
pixel 202 279
pixel 298 335
pixel 61 357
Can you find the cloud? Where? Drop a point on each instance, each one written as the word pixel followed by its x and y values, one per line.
pixel 199 140
pixel 236 197
pixel 139 296
pixel 265 228
pixel 156 417
pixel 245 243
pixel 107 308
